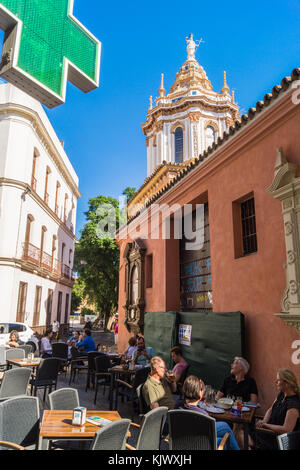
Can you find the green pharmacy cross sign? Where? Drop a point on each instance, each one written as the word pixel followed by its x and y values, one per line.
pixel 44 47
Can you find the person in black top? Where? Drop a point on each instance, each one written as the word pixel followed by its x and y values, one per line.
pixel 239 384
pixel 283 416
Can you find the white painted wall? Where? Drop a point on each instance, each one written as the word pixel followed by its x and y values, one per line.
pixel 20 117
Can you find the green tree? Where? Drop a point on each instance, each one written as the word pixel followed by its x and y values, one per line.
pixel 129 193
pixel 97 254
pixel 77 294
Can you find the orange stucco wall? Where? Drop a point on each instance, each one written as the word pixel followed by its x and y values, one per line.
pixel 253 284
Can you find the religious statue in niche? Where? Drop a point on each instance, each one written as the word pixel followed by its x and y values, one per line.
pixel 134 257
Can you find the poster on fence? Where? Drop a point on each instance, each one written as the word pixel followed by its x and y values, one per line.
pixel 185 335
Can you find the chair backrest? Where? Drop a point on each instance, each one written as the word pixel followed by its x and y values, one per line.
pixel 112 436
pixel 190 430
pixel 15 382
pixel 33 345
pixel 2 356
pixel 64 399
pixel 27 348
pixel 60 350
pixel 151 429
pixel 74 352
pixel 143 407
pixel 15 353
pixel 91 359
pixel 141 376
pixel 48 369
pixel 102 363
pixel 19 421
pixel 289 441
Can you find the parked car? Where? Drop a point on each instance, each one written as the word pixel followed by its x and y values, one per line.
pixel 25 333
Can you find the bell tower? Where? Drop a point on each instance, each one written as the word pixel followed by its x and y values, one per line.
pixel 187 120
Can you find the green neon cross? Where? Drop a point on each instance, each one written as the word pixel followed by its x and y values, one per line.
pixel 45 46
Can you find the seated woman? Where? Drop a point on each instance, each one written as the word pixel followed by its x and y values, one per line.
pixel 239 384
pixel 14 340
pixel 283 416
pixel 193 390
pixel 132 347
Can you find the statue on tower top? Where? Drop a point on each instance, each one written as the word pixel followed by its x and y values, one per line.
pixel 192 46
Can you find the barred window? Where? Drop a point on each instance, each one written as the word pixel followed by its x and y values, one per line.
pixel 248 226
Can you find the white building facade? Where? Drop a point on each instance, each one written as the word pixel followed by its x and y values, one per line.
pixel 38 201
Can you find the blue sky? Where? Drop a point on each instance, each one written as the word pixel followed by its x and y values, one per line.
pixel 256 42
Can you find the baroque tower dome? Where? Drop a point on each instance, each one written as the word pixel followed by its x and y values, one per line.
pixel 183 123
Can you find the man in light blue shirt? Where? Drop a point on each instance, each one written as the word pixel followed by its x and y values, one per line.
pixel 142 356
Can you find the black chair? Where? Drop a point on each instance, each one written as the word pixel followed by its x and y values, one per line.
pixel 77 364
pixel 130 391
pixel 91 367
pixel 289 441
pixel 190 430
pixel 33 345
pixel 61 351
pixel 46 376
pixel 102 373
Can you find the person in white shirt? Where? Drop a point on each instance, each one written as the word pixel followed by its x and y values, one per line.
pixel 46 348
pixel 55 329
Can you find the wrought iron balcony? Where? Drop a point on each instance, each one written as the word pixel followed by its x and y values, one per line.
pixel 31 253
pixel 33 183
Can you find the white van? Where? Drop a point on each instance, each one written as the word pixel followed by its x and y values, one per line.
pixel 25 333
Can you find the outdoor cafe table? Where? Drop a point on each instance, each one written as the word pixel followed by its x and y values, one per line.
pixel 245 420
pixel 24 362
pixel 57 424
pixel 115 371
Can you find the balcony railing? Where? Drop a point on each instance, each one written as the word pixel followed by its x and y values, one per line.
pixel 46 198
pixel 46 261
pixel 43 260
pixel 33 183
pixel 31 253
pixel 56 267
pixel 66 271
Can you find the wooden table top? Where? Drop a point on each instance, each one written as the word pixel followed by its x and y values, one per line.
pixel 119 369
pixel 58 424
pixel 24 362
pixel 228 416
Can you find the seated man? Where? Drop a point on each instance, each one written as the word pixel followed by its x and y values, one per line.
pixel 87 344
pixel 180 363
pixel 142 355
pixel 239 384
pixel 157 390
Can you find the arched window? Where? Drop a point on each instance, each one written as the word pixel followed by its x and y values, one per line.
pixel 210 135
pixel 179 145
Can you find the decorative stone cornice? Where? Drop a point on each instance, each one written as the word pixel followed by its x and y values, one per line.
pixel 290 320
pixel 286 188
pixel 11 110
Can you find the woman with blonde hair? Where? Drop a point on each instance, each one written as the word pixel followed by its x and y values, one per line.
pixel 283 416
